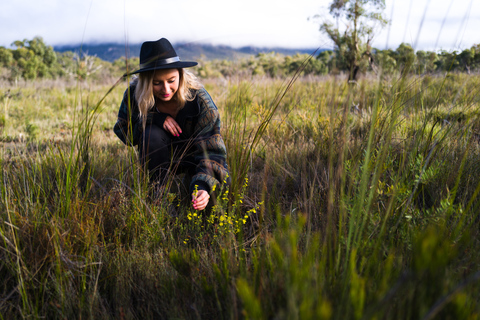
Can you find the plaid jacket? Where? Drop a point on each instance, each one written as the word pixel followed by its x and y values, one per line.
pixel 200 123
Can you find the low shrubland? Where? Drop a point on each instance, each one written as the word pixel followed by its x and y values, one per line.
pixel 347 201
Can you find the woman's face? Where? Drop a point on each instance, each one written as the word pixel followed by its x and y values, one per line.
pixel 165 83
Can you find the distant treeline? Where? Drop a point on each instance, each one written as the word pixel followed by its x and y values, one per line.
pixel 33 59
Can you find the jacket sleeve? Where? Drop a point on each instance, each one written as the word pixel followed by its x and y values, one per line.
pixel 210 152
pixel 128 126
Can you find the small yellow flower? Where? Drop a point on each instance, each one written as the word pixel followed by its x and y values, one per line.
pixel 195 191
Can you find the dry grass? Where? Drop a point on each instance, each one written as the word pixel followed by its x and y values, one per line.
pixel 361 201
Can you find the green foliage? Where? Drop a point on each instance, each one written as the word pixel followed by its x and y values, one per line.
pixel 405 60
pixel 425 62
pixel 252 306
pixel 32 59
pixel 6 57
pixel 405 57
pixel 126 64
pixel 32 131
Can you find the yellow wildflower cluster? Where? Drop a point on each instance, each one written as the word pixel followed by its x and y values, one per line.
pixel 229 223
pixel 193 215
pixel 222 219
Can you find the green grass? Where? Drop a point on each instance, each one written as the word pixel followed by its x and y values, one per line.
pixel 334 212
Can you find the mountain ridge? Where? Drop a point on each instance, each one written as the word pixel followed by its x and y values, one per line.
pixel 187 51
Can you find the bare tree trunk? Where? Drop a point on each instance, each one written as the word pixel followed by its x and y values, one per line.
pixel 354 46
pixel 368 53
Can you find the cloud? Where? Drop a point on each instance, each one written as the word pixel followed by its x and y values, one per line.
pixel 236 23
pixel 425 22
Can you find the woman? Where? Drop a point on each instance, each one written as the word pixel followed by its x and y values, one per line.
pixel 174 122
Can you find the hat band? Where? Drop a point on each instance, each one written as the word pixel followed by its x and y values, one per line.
pixel 160 62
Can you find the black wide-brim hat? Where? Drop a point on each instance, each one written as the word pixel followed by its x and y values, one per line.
pixel 155 55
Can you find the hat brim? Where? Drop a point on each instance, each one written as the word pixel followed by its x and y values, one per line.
pixel 175 65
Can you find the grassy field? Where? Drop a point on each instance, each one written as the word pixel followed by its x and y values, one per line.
pixel 348 201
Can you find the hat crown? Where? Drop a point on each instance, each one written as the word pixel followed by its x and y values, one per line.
pixel 160 54
pixel 151 51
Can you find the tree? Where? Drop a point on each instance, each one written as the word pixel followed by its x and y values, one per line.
pixel 6 57
pixel 432 57
pixel 32 59
pixel 405 56
pixel 352 38
pixel 326 57
pixel 308 64
pixel 385 59
pixel 476 58
pixel 447 61
pixel 421 62
pixel 466 58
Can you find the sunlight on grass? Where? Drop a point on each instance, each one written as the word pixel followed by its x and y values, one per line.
pixel 347 201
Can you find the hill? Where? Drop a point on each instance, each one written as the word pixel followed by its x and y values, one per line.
pixel 187 51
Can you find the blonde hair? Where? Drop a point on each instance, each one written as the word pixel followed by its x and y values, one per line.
pixel 187 87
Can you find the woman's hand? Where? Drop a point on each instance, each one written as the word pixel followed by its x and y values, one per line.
pixel 172 126
pixel 200 200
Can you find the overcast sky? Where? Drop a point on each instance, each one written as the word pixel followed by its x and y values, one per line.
pixel 426 24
